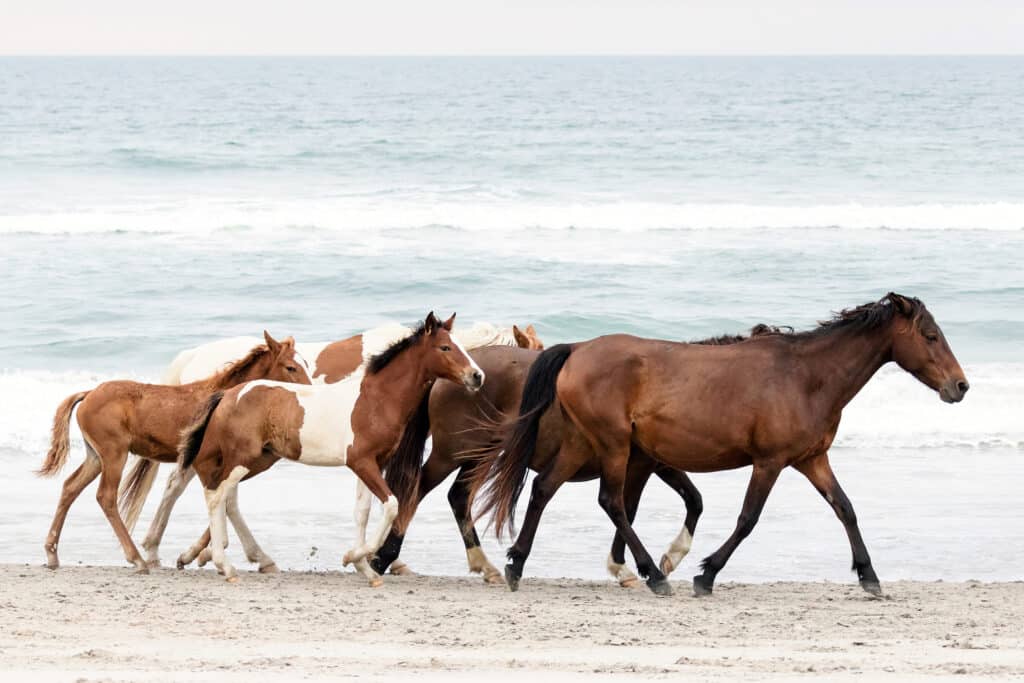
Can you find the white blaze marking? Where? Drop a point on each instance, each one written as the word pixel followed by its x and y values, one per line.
pixel 472 363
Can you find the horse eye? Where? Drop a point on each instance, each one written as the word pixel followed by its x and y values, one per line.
pixel 445 347
pixel 291 368
pixel 932 337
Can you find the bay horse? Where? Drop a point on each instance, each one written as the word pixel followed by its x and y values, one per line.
pixel 119 417
pixel 332 362
pixel 770 402
pixel 358 422
pixel 459 423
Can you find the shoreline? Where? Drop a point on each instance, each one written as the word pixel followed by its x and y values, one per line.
pixel 107 623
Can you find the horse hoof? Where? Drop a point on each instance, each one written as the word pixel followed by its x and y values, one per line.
pixel 347 559
pixel 270 569
pixel 660 586
pixel 666 565
pixel 401 569
pixel 53 565
pixel 144 569
pixel 494 579
pixel 701 587
pixel 154 563
pixel 376 583
pixel 872 587
pixel 231 579
pixel 631 582
pixel 511 579
pixel 181 564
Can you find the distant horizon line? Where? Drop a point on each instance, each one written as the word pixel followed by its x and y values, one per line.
pixel 509 55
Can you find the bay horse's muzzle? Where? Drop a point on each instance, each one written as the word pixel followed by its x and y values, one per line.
pixel 953 391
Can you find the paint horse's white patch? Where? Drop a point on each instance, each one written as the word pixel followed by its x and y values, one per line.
pixel 380 338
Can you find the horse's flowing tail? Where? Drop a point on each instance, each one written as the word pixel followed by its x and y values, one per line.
pixel 192 436
pixel 403 469
pixel 59 436
pixel 135 489
pixel 505 474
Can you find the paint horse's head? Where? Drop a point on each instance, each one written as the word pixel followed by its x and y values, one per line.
pixel 920 348
pixel 527 339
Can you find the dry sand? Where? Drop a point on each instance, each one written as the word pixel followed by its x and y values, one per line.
pixel 106 623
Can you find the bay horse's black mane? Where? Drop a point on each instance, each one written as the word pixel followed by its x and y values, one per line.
pixel 863 318
pixel 382 359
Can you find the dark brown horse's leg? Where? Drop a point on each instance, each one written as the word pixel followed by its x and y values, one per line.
pixel 680 546
pixel 819 472
pixel 458 499
pixel 611 498
pixel 761 481
pixel 638 474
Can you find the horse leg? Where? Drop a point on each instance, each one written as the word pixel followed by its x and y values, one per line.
pixel 571 456
pixel 362 517
pixel 458 499
pixel 368 471
pixel 636 478
pixel 680 546
pixel 73 487
pixel 761 481
pixel 176 484
pixel 819 472
pixel 216 505
pixel 253 551
pixel 611 498
pixel 106 496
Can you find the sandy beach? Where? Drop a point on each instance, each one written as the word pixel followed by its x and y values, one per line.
pixel 108 624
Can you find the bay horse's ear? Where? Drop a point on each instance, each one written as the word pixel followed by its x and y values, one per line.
pixel 900 303
pixel 430 324
pixel 272 344
pixel 521 339
pixel 447 324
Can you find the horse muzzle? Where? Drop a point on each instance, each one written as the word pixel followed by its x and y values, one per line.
pixel 954 390
pixel 473 379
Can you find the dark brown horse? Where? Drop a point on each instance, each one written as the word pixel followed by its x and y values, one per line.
pixel 772 401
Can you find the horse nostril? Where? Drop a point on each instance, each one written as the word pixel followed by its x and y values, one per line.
pixel 477 377
pixel 962 386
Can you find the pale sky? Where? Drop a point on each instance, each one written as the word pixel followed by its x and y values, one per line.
pixel 488 27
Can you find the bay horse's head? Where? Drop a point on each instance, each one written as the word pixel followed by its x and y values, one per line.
pixel 920 348
pixel 282 363
pixel 527 339
pixel 443 356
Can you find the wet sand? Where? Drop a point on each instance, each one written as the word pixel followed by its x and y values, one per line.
pixel 108 624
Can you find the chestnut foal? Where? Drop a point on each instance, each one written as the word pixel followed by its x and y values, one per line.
pixel 145 419
pixel 772 401
pixel 358 422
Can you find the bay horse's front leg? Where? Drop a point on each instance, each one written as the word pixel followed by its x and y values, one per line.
pixel 680 546
pixel 761 481
pixel 819 472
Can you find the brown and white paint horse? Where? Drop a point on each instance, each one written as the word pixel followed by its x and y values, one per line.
pixel 334 361
pixel 358 422
pixel 121 417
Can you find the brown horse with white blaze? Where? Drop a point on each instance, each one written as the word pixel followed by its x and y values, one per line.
pixel 773 401
pixel 122 417
pixel 358 422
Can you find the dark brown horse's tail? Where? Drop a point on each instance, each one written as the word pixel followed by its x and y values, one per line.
pixel 135 489
pixel 192 436
pixel 59 436
pixel 505 474
pixel 402 472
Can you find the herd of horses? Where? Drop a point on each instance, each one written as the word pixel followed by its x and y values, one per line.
pixel 617 408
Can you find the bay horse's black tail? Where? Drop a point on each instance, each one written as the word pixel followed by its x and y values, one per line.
pixel 505 474
pixel 402 472
pixel 192 436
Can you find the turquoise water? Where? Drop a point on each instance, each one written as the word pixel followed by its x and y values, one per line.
pixel 147 205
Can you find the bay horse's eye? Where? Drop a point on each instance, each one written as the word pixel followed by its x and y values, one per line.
pixel 931 336
pixel 291 368
pixel 445 347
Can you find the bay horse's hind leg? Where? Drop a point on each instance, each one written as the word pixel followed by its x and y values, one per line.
pixel 761 481
pixel 458 499
pixel 819 471
pixel 73 487
pixel 637 475
pixel 680 546
pixel 106 496
pixel 177 481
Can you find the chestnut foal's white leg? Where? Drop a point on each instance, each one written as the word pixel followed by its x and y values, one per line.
pixel 216 505
pixel 176 484
pixel 362 517
pixel 369 474
pixel 253 551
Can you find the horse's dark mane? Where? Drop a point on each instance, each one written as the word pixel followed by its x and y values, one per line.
pixel 381 360
pixel 863 318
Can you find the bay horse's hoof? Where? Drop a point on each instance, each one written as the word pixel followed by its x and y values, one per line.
pixel 666 565
pixel 270 569
pixel 701 586
pixel 659 586
pixel 872 587
pixel 511 579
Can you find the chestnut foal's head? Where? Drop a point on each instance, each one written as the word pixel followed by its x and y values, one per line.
pixel 527 339
pixel 282 363
pixel 920 348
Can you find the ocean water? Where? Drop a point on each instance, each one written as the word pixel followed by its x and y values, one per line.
pixel 147 205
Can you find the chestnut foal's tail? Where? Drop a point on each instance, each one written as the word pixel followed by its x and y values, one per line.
pixel 505 475
pixel 135 489
pixel 59 437
pixel 402 472
pixel 192 436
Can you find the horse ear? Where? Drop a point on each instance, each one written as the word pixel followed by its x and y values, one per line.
pixel 531 330
pixel 447 324
pixel 272 343
pixel 900 302
pixel 430 324
pixel 289 341
pixel 521 339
